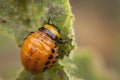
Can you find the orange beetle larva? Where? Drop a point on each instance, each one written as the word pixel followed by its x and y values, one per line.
pixel 40 50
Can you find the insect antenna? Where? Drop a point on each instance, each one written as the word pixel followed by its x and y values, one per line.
pixel 49 20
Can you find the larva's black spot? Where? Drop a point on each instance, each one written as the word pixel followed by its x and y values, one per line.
pixel 45 68
pixel 48 62
pixel 50 57
pixel 52 50
pixel 56 44
pixel 53 61
pixel 56 57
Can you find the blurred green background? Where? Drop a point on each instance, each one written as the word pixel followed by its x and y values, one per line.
pixel 97 34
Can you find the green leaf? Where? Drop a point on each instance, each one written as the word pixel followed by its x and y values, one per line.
pixel 20 17
pixel 85 64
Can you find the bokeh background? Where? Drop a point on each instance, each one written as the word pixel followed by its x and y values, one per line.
pixel 97 35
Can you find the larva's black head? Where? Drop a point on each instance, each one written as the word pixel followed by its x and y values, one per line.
pixel 51 30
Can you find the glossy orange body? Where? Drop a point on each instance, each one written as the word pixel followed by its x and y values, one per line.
pixel 38 52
